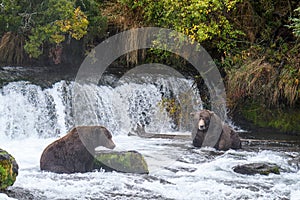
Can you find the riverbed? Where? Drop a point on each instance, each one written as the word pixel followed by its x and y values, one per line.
pixel 31 117
pixel 177 171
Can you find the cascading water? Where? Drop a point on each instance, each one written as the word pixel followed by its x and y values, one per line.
pixel 27 110
pixel 32 117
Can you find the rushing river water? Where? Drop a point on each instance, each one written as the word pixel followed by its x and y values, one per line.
pixel 32 117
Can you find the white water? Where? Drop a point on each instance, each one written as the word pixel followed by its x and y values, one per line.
pixel 31 118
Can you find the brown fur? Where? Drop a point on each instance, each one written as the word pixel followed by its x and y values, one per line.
pixel 225 137
pixel 75 151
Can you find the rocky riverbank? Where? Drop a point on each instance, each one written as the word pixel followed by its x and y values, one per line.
pixel 43 76
pixel 46 76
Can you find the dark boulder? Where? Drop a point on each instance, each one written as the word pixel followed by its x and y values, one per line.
pixel 257 168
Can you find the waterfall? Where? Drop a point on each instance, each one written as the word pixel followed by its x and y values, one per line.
pixel 27 110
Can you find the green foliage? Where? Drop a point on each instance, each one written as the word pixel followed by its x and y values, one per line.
pixel 285 120
pixel 259 80
pixel 97 22
pixel 296 23
pixel 10 18
pixel 53 24
pixel 200 20
pixel 173 108
pixel 267 70
pixel 50 22
pixel 7 173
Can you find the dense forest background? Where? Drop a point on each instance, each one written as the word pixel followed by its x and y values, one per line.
pixel 255 44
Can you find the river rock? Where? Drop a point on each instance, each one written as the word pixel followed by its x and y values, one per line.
pixel 8 169
pixel 121 161
pixel 20 193
pixel 257 168
pixel 295 162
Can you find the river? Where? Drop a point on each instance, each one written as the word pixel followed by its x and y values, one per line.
pixel 32 117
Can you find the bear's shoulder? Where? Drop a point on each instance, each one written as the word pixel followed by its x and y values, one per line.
pixel 86 129
pixel 227 128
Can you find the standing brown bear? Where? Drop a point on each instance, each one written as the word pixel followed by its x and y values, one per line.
pixel 75 151
pixel 210 131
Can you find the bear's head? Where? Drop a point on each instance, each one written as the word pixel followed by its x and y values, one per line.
pixel 203 119
pixel 105 138
pixel 95 136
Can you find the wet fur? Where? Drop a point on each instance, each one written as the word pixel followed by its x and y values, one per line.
pixel 75 152
pixel 228 138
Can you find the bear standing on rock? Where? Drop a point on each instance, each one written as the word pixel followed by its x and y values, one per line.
pixel 75 151
pixel 210 131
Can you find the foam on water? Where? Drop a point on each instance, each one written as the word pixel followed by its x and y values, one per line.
pixel 177 171
pixel 31 118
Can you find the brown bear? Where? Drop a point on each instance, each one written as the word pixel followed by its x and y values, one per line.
pixel 209 130
pixel 75 151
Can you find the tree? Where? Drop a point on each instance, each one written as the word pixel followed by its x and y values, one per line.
pixel 201 20
pixel 49 22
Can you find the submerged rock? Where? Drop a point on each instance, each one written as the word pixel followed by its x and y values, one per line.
pixel 8 169
pixel 20 193
pixel 257 168
pixel 295 162
pixel 121 161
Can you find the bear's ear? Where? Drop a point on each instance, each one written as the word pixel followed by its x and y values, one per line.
pixel 211 112
pixel 195 115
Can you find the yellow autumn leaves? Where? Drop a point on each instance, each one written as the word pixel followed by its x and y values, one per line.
pixel 76 27
pixel 206 20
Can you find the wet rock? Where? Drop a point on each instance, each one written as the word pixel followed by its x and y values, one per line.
pixel 121 161
pixel 294 162
pixel 257 168
pixel 46 76
pixel 20 193
pixel 42 76
pixel 8 169
pixel 180 169
pixel 152 179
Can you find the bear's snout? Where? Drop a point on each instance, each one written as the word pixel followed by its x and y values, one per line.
pixel 201 125
pixel 110 144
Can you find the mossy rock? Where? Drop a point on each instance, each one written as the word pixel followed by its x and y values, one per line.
pixel 257 168
pixel 284 120
pixel 8 170
pixel 121 161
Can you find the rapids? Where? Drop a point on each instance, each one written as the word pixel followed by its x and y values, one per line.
pixel 32 117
